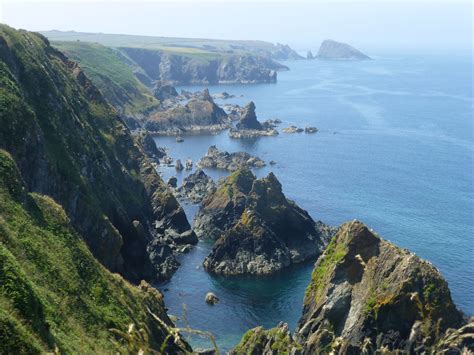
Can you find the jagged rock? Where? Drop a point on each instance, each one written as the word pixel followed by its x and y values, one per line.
pixel 196 187
pixel 292 129
pixel 188 164
pixel 211 298
pixel 178 165
pixel 249 118
pixel 215 158
pixel 368 296
pixel 249 126
pixel 259 231
pixel 309 55
pixel 310 129
pixel 332 50
pixel 172 181
pixel 369 293
pixel 198 115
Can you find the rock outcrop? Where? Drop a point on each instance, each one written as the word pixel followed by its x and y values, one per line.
pixel 165 92
pixel 368 296
pixel 332 50
pixel 258 230
pixel 196 187
pixel 215 158
pixel 249 126
pixel 309 55
pixel 196 116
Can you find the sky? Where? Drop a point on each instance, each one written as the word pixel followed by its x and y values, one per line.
pixel 385 25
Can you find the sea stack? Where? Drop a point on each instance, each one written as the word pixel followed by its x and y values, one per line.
pixel 332 50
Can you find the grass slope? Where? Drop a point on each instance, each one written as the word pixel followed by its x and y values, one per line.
pixel 107 69
pixel 54 294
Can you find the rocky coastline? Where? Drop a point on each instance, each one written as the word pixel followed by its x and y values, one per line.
pixel 215 158
pixel 248 126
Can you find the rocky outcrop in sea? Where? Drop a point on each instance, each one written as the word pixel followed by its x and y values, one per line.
pixel 199 115
pixel 368 296
pixel 215 158
pixel 258 230
pixel 332 50
pixel 249 126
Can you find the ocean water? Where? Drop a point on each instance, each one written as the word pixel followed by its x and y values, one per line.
pixel 394 149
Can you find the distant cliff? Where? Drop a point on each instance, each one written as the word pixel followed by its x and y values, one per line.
pixel 332 50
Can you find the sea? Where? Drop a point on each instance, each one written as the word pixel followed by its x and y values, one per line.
pixel 394 150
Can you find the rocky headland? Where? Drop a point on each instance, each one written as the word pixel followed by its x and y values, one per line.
pixel 215 158
pixel 369 296
pixel 258 230
pixel 249 126
pixel 332 50
pixel 199 115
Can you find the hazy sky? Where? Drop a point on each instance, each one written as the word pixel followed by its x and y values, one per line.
pixel 369 24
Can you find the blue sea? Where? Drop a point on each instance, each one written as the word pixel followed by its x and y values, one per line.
pixel 394 150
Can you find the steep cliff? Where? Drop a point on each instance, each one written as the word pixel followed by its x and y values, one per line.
pixel 258 230
pixel 71 145
pixel 367 295
pixel 55 297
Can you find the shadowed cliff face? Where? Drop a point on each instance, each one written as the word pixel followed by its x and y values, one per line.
pixel 70 144
pixel 259 231
pixel 367 294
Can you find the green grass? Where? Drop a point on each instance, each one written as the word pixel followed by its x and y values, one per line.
pixel 107 69
pixel 53 293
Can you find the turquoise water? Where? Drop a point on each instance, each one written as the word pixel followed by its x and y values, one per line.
pixel 394 150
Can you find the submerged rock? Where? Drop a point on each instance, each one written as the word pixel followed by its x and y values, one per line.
pixel 196 187
pixel 292 129
pixel 332 50
pixel 215 158
pixel 310 129
pixel 258 230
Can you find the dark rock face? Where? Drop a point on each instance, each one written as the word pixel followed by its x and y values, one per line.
pixel 165 92
pixel 182 69
pixel 249 126
pixel 249 118
pixel 262 231
pixel 215 158
pixel 332 50
pixel 370 294
pixel 198 115
pixel 196 187
pixel 76 149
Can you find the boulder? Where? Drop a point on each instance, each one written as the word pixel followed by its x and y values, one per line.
pixel 178 165
pixel 310 129
pixel 211 298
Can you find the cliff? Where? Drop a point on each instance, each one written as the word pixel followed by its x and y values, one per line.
pixel 367 295
pixel 258 229
pixel 69 144
pixel 55 296
pixel 332 50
